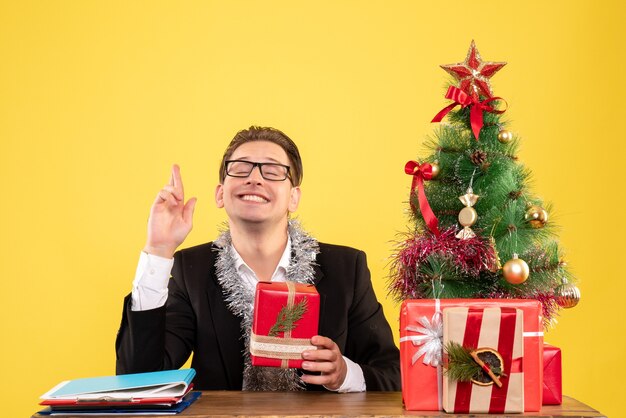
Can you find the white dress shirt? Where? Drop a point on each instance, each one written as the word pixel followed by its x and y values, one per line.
pixel 150 292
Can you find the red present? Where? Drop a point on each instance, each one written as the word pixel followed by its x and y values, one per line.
pixel 552 376
pixel 286 316
pixel 421 372
pixel 500 331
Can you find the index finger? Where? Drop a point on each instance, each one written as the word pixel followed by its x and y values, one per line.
pixel 323 342
pixel 176 180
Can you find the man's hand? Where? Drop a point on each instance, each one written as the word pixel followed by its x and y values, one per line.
pixel 170 220
pixel 328 360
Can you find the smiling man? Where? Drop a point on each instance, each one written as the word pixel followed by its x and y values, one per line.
pixel 200 300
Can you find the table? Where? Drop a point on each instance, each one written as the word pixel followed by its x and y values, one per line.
pixel 316 404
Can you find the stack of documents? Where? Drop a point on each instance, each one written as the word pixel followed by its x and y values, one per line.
pixel 163 393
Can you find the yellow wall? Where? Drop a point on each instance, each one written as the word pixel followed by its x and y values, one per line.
pixel 97 99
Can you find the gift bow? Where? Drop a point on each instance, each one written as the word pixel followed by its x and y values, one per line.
pixel 476 108
pixel 421 172
pixel 430 340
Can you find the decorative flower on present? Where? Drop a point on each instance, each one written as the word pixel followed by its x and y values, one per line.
pixel 480 366
pixel 429 341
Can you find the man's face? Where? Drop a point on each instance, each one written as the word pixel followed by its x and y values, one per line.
pixel 254 199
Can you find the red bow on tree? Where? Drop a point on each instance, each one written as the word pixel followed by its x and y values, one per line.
pixel 476 108
pixel 421 172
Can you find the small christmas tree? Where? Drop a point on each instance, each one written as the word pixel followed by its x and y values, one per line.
pixel 472 207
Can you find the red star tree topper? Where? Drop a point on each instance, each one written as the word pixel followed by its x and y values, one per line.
pixel 474 73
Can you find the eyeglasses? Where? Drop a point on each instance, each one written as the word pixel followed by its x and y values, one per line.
pixel 269 171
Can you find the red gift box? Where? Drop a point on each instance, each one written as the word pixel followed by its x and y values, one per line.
pixel 497 329
pixel 421 369
pixel 552 376
pixel 286 316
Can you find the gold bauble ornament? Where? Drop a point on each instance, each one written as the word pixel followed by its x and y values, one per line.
pixel 505 136
pixel 567 294
pixel 515 271
pixel 536 216
pixel 435 169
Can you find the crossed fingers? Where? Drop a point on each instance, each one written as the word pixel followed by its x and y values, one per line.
pixel 173 192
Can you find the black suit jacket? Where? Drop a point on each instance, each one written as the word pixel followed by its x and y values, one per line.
pixel 196 319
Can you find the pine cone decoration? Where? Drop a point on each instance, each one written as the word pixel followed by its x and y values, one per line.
pixel 478 157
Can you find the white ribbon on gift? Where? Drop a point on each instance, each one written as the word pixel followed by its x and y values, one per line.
pixel 429 341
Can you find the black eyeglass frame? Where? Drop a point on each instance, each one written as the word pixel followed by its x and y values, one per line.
pixel 260 165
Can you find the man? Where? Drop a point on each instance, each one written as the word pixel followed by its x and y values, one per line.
pixel 206 306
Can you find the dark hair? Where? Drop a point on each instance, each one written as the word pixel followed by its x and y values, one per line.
pixel 257 133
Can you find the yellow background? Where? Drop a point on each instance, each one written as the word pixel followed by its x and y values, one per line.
pixel 97 99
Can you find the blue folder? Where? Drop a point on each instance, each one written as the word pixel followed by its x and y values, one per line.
pixel 168 383
pixel 190 398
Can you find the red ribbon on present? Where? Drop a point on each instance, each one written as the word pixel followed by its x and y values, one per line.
pixel 477 108
pixel 421 172
pixel 505 348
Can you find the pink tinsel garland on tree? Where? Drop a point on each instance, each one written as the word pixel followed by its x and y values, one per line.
pixel 470 257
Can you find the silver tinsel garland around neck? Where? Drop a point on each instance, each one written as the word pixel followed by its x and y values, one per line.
pixel 240 301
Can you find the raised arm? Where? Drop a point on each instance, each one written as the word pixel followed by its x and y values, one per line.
pixel 143 343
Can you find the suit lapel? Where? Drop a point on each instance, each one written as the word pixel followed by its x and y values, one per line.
pixel 319 275
pixel 227 328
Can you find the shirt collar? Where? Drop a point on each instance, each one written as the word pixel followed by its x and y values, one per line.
pixel 283 263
